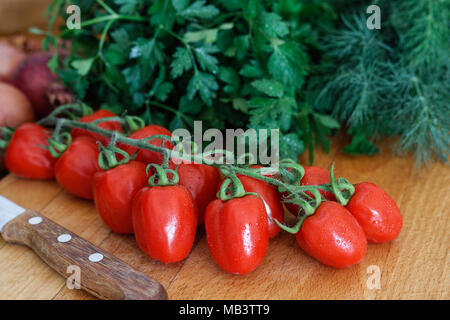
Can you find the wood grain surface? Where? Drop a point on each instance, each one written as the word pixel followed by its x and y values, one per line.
pixel 414 266
pixel 19 15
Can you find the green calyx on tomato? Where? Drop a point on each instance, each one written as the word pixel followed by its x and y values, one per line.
pixel 305 200
pixel 239 186
pixel 231 188
pixel 133 123
pixel 57 146
pixel 162 177
pixel 347 188
pixel 291 171
pixel 314 188
pixel 107 158
pixel 306 211
pixel 59 141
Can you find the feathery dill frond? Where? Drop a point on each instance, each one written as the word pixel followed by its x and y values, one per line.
pixel 423 27
pixel 401 90
pixel 419 112
pixel 354 86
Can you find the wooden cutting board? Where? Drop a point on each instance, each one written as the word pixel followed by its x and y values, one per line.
pixel 414 266
pixel 19 15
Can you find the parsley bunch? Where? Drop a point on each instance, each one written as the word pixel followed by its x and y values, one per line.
pixel 229 63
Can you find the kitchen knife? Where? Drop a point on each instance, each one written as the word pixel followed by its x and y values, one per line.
pixel 102 274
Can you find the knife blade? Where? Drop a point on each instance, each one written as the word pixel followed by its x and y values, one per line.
pixel 8 211
pixel 101 273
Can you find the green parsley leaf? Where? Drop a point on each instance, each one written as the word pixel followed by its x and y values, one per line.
pixel 252 70
pixel 181 63
pixel 83 66
pixel 127 6
pixel 288 64
pixel 180 5
pixel 269 87
pixel 360 144
pixel 291 146
pixel 231 78
pixel 205 84
pixel 192 107
pixel 206 61
pixel 272 25
pixel 271 113
pixel 199 10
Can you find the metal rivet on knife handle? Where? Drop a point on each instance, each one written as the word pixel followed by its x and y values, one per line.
pixel 96 257
pixel 35 220
pixel 64 237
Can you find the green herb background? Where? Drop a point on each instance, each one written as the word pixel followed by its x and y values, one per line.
pixel 306 67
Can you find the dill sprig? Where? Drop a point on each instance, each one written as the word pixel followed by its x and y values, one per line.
pixel 355 81
pixel 423 27
pixel 392 82
pixel 419 113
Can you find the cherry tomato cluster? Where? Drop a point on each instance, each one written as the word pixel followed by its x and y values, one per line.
pixel 164 205
pixel 337 235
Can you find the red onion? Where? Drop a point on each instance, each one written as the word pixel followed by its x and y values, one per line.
pixel 40 84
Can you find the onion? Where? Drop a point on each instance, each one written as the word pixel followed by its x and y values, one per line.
pixel 15 108
pixel 10 59
pixel 40 84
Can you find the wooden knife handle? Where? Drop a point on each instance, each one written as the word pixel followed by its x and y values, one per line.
pixel 102 274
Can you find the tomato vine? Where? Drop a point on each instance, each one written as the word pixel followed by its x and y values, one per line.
pixel 286 179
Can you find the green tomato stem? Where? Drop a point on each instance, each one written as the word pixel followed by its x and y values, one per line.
pixel 287 180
